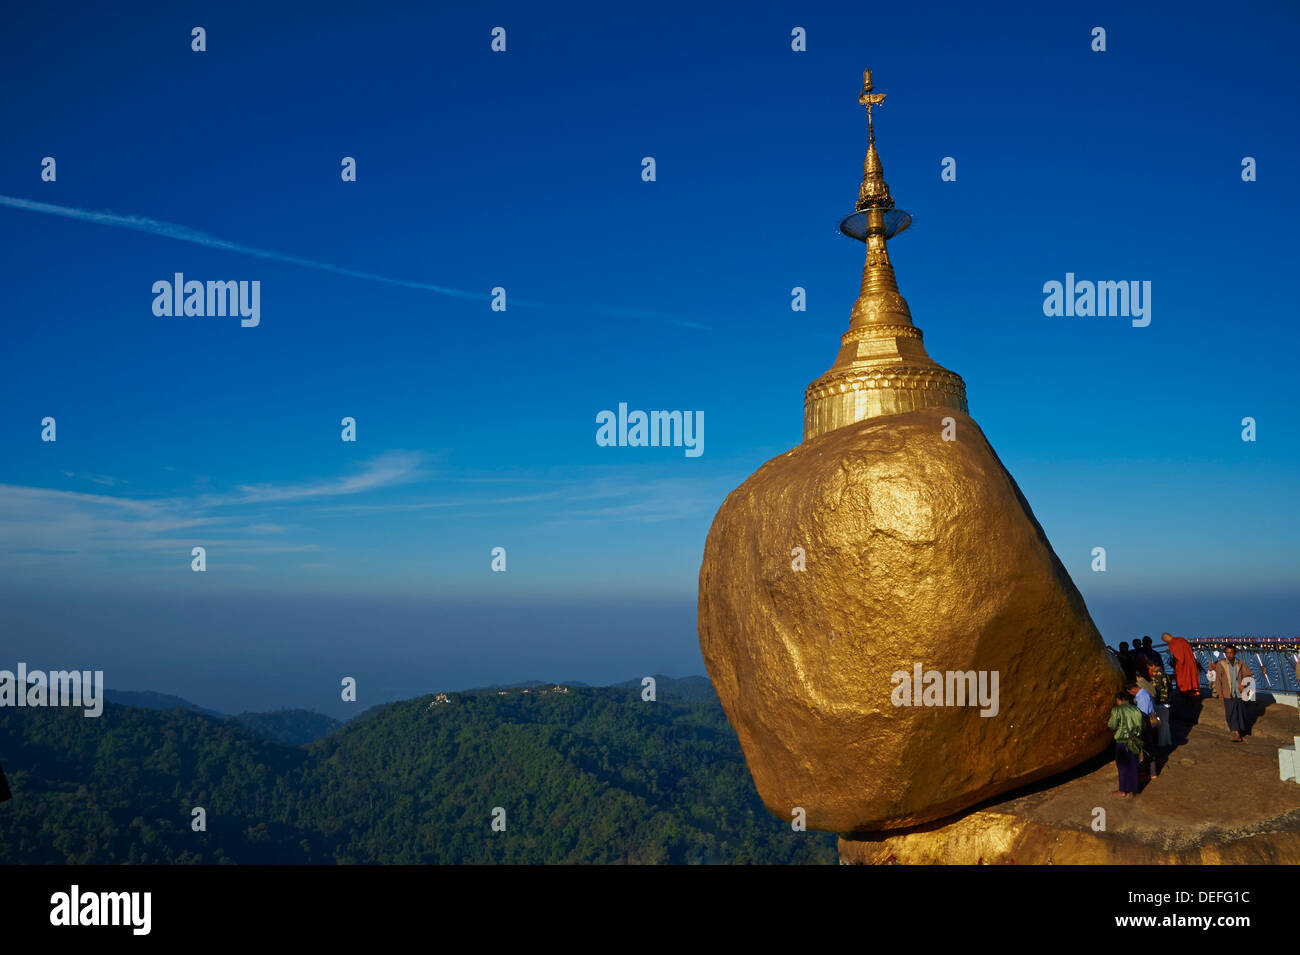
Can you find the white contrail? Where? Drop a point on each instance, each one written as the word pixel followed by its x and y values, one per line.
pixel 185 234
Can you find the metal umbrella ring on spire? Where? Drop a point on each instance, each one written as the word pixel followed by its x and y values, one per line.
pixel 855 226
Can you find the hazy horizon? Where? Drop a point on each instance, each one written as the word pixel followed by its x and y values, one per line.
pixel 401 648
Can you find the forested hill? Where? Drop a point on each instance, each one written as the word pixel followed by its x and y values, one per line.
pixel 588 775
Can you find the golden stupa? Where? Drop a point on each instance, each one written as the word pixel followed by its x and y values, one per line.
pixel 891 543
pixel 882 367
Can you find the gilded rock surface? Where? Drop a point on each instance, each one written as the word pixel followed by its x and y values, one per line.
pixel 915 551
pixel 985 838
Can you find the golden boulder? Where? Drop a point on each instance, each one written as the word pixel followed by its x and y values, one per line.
pixel 843 567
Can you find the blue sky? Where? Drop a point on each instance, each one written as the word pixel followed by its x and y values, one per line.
pixel 522 170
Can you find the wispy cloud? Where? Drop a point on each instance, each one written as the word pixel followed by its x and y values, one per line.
pixel 651 501
pixel 67 532
pixel 44 520
pixel 94 478
pixel 605 498
pixel 395 467
pixel 395 508
pixel 35 496
pixel 171 230
pixel 37 521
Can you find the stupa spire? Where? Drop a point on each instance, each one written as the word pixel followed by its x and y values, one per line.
pixel 882 367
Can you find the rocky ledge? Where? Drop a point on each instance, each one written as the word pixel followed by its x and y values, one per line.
pixel 1215 802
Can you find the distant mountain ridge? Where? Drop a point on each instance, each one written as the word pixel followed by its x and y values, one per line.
pixel 297 727
pixel 292 727
pixel 685 688
pixel 155 701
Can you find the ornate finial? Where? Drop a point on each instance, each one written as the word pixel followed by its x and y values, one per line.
pixel 874 192
pixel 870 99
pixel 882 367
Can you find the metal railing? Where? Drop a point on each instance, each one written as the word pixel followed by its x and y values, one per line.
pixel 1271 659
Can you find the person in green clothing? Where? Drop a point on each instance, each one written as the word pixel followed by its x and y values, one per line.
pixel 1126 721
pixel 1160 680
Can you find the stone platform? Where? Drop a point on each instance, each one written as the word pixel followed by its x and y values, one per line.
pixel 1215 802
